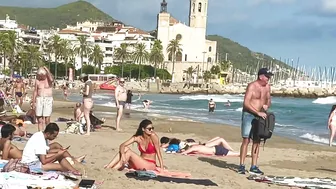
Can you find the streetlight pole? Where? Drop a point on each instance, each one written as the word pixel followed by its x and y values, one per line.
pixel 203 67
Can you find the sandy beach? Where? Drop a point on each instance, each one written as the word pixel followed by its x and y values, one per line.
pixel 280 156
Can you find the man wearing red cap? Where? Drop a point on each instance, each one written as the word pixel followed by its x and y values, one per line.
pixel 256 101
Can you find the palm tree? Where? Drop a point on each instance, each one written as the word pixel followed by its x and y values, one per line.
pixel 34 55
pixel 173 48
pixel 66 50
pixel 189 71
pixel 122 54
pixel 156 55
pixel 140 55
pixel 56 46
pixel 83 49
pixel 10 47
pixel 97 57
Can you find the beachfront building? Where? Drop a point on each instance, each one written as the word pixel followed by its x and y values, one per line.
pixel 198 52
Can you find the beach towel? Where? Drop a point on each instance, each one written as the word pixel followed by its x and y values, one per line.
pixel 202 182
pixel 308 183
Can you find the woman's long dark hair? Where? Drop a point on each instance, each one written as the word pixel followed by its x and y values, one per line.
pixel 143 124
pixel 332 109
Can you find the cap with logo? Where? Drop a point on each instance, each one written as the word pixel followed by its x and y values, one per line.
pixel 265 71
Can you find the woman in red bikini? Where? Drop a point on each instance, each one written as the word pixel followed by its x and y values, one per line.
pixel 148 145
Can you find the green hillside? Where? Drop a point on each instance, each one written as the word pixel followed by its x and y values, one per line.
pixel 59 17
pixel 242 57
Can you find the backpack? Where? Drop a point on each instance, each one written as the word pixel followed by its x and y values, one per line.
pixel 262 129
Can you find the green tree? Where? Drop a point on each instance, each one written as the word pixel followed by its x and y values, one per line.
pixel 215 69
pixel 207 76
pixel 34 56
pixel 97 57
pixel 122 54
pixel 83 49
pixel 173 48
pixel 156 55
pixel 10 47
pixel 56 50
pixel 140 55
pixel 225 65
pixel 66 51
pixel 189 71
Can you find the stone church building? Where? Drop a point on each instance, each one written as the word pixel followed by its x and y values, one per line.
pixel 196 50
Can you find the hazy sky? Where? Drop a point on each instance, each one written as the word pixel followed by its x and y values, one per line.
pixel 279 28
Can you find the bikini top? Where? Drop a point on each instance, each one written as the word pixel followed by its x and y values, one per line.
pixel 150 149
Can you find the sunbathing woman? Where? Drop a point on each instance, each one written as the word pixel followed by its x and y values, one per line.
pixel 216 146
pixel 148 145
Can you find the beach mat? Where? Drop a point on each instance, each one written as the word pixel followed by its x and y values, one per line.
pixel 202 182
pixel 308 183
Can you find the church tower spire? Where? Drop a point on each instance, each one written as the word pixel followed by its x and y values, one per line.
pixel 198 13
pixel 163 6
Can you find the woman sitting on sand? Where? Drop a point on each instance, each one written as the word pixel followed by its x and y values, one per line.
pixel 332 124
pixel 216 146
pixel 148 145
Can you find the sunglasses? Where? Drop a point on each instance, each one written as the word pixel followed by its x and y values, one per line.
pixel 150 128
pixel 121 81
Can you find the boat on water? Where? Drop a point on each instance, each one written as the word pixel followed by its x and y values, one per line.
pixel 108 85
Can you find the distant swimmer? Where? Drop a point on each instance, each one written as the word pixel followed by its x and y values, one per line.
pixel 146 103
pixel 212 105
pixel 332 124
pixel 227 103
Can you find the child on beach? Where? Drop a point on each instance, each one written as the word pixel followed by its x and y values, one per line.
pixel 332 124
pixel 148 145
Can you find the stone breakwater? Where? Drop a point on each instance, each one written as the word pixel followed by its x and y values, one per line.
pixel 179 88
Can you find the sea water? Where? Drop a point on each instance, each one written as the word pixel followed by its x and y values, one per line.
pixel 299 118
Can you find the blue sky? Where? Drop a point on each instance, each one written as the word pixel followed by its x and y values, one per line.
pixel 279 28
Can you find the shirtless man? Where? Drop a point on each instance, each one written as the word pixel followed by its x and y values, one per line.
pixel 19 88
pixel 9 151
pixel 256 101
pixel 42 97
pixel 212 105
pixel 120 100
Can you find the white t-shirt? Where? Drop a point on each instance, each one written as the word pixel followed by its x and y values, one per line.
pixel 36 145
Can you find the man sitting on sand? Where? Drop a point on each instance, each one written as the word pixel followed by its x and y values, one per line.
pixel 8 150
pixel 39 155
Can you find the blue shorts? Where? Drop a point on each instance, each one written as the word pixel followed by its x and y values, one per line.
pixel 246 124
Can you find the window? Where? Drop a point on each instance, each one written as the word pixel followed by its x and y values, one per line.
pixel 178 57
pixel 178 37
pixel 210 48
pixel 199 7
pixel 209 59
pixel 185 57
pixel 205 7
pixel 193 8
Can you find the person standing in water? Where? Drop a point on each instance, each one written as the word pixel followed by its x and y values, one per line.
pixel 129 99
pixel 43 97
pixel 256 101
pixel 332 124
pixel 212 106
pixel 120 95
pixel 87 100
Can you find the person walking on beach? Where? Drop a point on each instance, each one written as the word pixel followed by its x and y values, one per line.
pixel 212 106
pixel 256 101
pixel 332 124
pixel 43 97
pixel 129 99
pixel 120 100
pixel 87 100
pixel 19 88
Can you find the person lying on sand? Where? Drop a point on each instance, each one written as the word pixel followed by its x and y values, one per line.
pixel 216 146
pixel 8 150
pixel 165 142
pixel 148 145
pixel 37 154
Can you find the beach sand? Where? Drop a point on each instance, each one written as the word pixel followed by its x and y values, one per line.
pixel 279 157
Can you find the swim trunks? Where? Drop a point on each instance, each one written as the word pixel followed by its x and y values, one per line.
pixel 19 94
pixel 211 109
pixel 122 103
pixel 44 106
pixel 246 124
pixel 220 150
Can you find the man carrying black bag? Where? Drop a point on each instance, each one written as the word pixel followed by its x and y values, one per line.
pixel 256 101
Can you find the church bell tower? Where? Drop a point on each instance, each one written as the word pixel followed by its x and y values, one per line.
pixel 198 13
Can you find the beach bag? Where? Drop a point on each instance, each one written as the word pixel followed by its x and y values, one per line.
pixel 73 128
pixel 16 165
pixel 262 129
pixel 173 148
